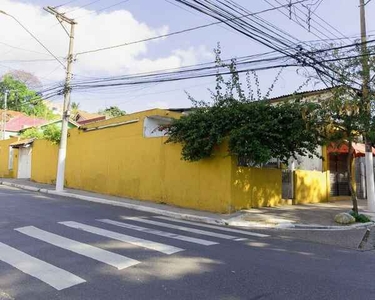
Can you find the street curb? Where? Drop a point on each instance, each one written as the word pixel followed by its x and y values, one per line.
pixel 292 226
pixel 207 220
pixel 120 204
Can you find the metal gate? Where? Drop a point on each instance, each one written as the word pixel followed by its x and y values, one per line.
pixel 339 176
pixel 287 184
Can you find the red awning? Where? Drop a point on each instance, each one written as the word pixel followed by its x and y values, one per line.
pixel 359 149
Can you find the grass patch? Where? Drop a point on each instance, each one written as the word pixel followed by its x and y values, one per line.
pixel 360 218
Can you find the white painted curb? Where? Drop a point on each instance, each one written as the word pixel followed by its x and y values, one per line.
pixel 234 222
pixel 121 204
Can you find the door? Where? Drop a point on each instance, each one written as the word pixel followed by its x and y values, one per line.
pixel 287 184
pixel 24 163
pixel 339 174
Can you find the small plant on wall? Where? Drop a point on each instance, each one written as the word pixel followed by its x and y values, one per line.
pixel 50 133
pixel 255 129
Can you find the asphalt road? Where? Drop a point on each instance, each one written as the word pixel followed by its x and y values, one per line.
pixel 59 248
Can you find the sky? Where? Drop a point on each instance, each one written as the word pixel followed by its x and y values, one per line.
pixel 103 23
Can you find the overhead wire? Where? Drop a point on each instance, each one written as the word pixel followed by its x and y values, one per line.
pixel 324 21
pixel 66 3
pixel 102 9
pixel 172 33
pixel 35 38
pixel 192 73
pixel 82 6
pixel 256 33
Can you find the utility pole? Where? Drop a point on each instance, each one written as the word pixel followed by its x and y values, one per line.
pixel 370 190
pixel 4 114
pixel 60 176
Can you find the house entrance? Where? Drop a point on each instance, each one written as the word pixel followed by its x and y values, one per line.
pixel 339 176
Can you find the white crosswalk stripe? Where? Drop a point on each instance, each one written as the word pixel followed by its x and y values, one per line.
pixel 159 232
pixel 182 228
pixel 166 249
pixel 53 276
pixel 214 227
pixel 118 261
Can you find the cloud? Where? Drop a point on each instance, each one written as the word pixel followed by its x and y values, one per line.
pixel 94 30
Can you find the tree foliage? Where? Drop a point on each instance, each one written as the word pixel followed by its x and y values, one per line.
pixel 21 98
pixel 255 129
pixel 29 79
pixel 51 133
pixel 74 109
pixel 112 112
pixel 346 113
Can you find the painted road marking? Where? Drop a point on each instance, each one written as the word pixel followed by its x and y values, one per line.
pixel 118 261
pixel 54 276
pixel 159 232
pixel 192 230
pixel 166 249
pixel 214 227
pixel 241 239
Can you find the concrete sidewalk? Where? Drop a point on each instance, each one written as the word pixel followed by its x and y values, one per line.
pixel 307 215
pixel 311 216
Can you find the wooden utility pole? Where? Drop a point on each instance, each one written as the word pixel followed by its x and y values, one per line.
pixel 366 102
pixel 60 176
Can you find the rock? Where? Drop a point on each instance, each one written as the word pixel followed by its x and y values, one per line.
pixel 344 218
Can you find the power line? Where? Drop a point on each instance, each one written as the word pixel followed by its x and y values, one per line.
pixel 23 49
pixel 100 10
pixel 83 6
pixel 25 60
pixel 35 38
pixel 177 32
pixel 191 12
pixel 66 3
pixel 205 70
pixel 259 32
pixel 324 21
pixel 316 8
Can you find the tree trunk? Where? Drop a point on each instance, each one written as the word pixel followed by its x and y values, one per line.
pixel 353 194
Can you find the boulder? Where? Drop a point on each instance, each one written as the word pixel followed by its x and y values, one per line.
pixel 344 218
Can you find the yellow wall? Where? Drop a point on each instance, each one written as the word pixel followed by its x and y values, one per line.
pixel 4 157
pixel 254 187
pixel 310 187
pixel 120 161
pixel 14 173
pixel 44 161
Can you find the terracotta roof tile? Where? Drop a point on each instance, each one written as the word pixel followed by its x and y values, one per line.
pixel 22 122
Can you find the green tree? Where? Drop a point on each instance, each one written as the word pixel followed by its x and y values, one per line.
pixel 23 99
pixel 344 116
pixel 51 133
pixel 32 133
pixel 112 112
pixel 255 129
pixel 75 109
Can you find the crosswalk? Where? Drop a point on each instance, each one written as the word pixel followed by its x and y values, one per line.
pixel 167 228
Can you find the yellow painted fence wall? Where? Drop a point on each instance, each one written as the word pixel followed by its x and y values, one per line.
pixel 4 158
pixel 255 187
pixel 311 186
pixel 120 161
pixel 44 161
